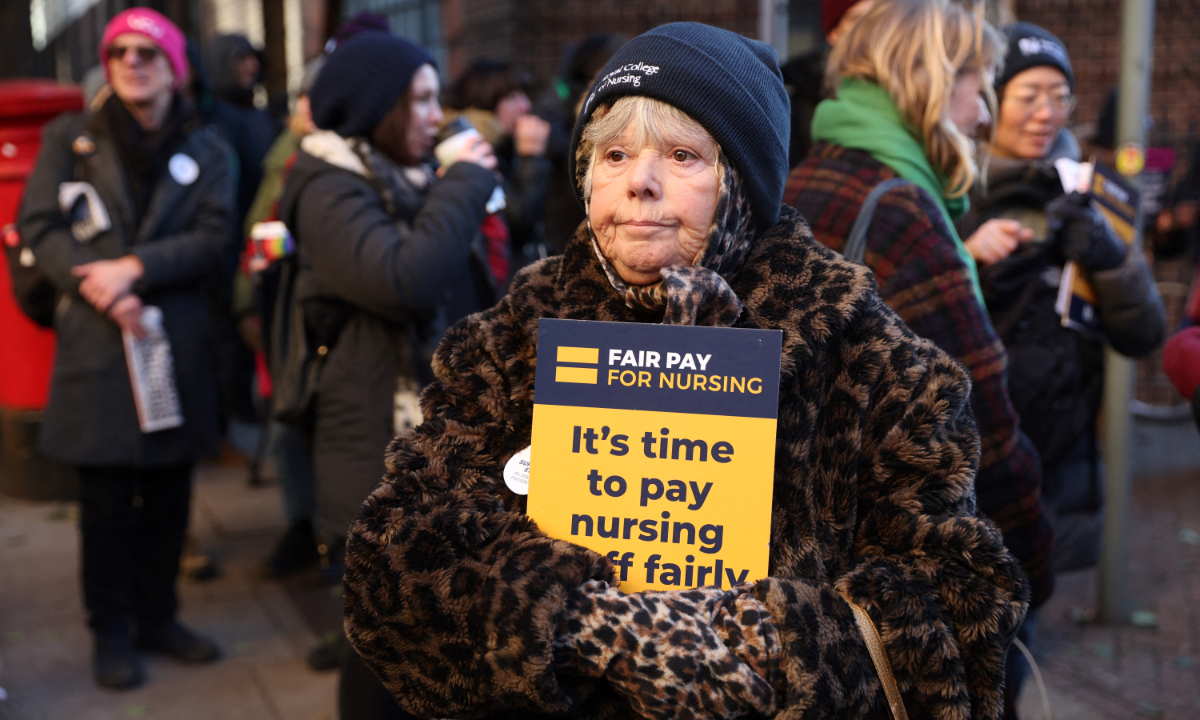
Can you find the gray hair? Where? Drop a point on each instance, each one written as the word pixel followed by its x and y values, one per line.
pixel 652 122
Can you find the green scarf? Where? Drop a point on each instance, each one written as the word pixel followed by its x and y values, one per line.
pixel 863 117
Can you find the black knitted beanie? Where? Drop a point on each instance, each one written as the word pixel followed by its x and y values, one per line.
pixel 362 79
pixel 1031 46
pixel 729 84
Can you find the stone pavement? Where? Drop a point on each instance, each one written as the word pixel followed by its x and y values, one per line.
pixel 45 650
pixel 1092 672
pixel 1098 672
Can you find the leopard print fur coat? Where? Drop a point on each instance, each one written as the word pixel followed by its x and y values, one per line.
pixel 454 597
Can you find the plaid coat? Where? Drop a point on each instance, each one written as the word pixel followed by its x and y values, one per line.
pixel 922 278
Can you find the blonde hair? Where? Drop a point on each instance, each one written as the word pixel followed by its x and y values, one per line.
pixel 916 50
pixel 652 122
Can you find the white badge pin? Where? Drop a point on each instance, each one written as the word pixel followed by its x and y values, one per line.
pixel 183 169
pixel 516 472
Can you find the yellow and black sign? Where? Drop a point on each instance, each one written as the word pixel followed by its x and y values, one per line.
pixel 655 445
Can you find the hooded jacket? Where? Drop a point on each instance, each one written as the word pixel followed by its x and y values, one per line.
pixel 247 129
pixel 184 233
pixel 454 596
pixel 379 277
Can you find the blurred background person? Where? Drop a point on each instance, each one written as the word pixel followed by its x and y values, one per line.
pixel 559 106
pixel 493 95
pixel 1181 362
pixel 805 74
pixel 166 190
pixel 1021 228
pixel 289 445
pixel 255 293
pixel 887 120
pixel 234 68
pixel 388 253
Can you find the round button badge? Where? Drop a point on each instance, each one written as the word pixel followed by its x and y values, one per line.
pixel 184 169
pixel 516 472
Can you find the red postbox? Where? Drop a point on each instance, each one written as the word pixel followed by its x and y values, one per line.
pixel 27 350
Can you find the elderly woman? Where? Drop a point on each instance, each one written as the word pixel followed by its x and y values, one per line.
pixel 466 609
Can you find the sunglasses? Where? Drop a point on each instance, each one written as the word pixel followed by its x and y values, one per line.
pixel 144 53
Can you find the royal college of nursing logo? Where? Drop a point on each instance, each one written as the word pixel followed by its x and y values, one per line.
pixel 630 74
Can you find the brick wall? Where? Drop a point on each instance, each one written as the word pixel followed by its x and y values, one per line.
pixel 478 28
pixel 1091 30
pixel 533 32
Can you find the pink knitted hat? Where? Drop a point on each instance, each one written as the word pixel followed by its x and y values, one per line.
pixel 153 25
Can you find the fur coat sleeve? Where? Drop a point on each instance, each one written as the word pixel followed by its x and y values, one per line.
pixel 453 594
pixel 935 577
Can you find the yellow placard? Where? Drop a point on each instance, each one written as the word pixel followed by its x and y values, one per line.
pixel 669 477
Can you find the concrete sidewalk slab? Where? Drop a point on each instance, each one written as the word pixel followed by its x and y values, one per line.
pixel 45 648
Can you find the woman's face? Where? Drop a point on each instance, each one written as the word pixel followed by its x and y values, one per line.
pixel 511 108
pixel 138 69
pixel 425 113
pixel 968 111
pixel 1035 106
pixel 652 207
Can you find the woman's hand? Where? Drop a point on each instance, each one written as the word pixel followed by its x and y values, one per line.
pixel 996 240
pixel 1082 233
pixel 106 281
pixel 666 653
pixel 479 152
pixel 126 313
pixel 531 136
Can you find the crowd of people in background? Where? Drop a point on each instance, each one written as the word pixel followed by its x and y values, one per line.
pixel 305 269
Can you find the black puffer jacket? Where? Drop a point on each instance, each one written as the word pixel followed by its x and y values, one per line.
pixel 392 281
pixel 1056 374
pixel 182 236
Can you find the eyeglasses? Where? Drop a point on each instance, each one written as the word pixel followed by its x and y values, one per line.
pixel 1061 104
pixel 146 54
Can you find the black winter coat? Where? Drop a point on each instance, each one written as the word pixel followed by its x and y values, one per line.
pixel 181 240
pixel 394 281
pixel 1055 373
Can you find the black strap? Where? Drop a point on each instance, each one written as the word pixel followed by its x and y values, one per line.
pixel 856 243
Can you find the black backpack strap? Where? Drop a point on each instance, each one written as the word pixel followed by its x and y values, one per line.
pixel 856 243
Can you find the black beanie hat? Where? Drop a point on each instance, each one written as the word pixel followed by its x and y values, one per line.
pixel 729 84
pixel 1031 46
pixel 361 81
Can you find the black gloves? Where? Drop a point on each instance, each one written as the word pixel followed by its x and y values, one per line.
pixel 1082 233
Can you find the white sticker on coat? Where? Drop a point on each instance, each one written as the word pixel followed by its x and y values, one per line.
pixel 183 168
pixel 516 472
